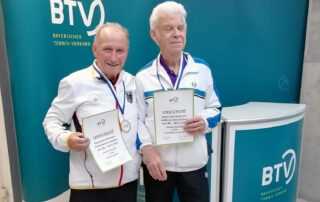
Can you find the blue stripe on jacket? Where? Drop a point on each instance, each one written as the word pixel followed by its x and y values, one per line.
pixel 138 142
pixel 197 92
pixel 213 121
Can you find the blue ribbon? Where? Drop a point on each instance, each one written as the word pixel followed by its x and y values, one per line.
pixel 114 95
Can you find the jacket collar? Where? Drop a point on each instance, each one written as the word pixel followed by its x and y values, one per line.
pixel 95 74
pixel 189 68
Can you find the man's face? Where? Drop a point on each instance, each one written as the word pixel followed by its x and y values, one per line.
pixel 111 51
pixel 170 34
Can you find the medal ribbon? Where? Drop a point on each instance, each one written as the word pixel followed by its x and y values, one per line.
pixel 112 91
pixel 181 69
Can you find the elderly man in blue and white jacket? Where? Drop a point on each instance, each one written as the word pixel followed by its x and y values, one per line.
pixel 181 166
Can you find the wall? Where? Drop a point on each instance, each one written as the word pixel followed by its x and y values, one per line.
pixel 6 194
pixel 309 182
pixel 10 166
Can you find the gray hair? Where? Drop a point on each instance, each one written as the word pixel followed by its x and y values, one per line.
pixel 166 8
pixel 110 25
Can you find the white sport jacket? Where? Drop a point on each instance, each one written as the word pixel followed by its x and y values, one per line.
pixel 84 93
pixel 197 76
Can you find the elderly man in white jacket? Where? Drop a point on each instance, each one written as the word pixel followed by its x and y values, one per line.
pixel 181 166
pixel 101 87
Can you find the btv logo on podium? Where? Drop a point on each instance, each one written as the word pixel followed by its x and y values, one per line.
pixel 285 168
pixel 57 12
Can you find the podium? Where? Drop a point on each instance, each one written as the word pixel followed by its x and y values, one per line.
pixel 261 145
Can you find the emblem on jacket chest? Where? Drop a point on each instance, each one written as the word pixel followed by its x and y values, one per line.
pixel 194 84
pixel 129 96
pixel 95 98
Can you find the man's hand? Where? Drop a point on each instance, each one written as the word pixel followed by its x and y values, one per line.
pixel 195 125
pixel 77 142
pixel 154 163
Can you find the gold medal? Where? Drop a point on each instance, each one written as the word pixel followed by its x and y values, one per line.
pixel 125 126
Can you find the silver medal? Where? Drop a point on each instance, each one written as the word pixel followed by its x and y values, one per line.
pixel 125 126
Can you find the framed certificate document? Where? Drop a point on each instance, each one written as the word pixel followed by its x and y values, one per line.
pixel 107 145
pixel 171 109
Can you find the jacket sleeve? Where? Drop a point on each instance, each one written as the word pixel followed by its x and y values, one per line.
pixel 60 114
pixel 144 137
pixel 212 112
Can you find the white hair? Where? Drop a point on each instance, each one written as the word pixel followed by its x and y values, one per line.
pixel 113 25
pixel 166 8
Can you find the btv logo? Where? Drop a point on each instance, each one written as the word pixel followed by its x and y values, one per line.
pixel 288 169
pixel 57 14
